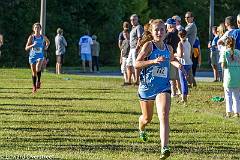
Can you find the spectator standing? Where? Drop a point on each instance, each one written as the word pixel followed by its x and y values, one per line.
pixel 61 44
pixel 95 53
pixel 191 29
pixel 221 29
pixel 178 22
pixel 172 39
pixel 214 53
pixel 126 27
pixel 238 21
pixel 230 62
pixel 197 56
pixel 85 43
pixel 229 26
pixel 135 37
pixel 229 23
pixel 236 33
pixel 184 56
pixel 123 57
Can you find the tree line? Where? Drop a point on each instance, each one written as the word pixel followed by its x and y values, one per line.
pixel 101 17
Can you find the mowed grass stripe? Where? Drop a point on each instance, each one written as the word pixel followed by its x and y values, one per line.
pixel 96 118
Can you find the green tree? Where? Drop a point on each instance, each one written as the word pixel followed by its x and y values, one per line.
pixel 103 18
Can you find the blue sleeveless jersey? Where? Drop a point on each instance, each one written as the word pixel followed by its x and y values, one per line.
pixel 37 52
pixel 154 79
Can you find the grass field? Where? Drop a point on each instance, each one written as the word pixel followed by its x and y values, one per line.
pixel 95 118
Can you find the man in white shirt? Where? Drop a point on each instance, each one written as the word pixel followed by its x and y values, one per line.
pixel 61 44
pixel 85 43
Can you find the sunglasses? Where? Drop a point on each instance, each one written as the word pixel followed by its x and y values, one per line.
pixel 134 19
pixel 187 17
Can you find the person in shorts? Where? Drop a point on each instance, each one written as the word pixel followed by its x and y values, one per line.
pixel 61 45
pixel 135 37
pixel 123 57
pixel 154 61
pixel 85 43
pixel 36 44
pixel 214 53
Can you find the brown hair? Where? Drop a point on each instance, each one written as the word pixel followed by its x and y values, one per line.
pixel 182 33
pixel 221 29
pixel 229 20
pixel 147 35
pixel 36 24
pixel 146 27
pixel 126 25
pixel 214 28
pixel 154 22
pixel 230 43
pixel 190 13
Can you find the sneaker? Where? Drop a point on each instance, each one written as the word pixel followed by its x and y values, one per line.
pixel 34 89
pixel 126 84
pixel 136 84
pixel 173 95
pixel 38 85
pixel 143 136
pixel 236 115
pixel 165 152
pixel 227 115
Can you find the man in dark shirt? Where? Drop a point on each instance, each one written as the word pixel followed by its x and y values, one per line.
pixel 172 34
pixel 126 27
pixel 172 39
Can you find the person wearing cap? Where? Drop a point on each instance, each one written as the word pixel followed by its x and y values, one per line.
pixel 135 37
pixel 61 44
pixel 172 39
pixel 95 53
pixel 178 22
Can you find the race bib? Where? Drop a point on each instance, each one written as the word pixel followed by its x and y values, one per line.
pixel 38 50
pixel 160 72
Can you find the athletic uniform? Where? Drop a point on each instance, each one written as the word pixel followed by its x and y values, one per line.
pixel 154 79
pixel 37 52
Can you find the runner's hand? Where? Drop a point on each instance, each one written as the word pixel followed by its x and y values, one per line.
pixel 159 59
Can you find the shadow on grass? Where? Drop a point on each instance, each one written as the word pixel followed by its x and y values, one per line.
pixel 66 98
pixel 52 88
pixel 208 150
pixel 112 112
pixel 31 111
pixel 134 147
pixel 34 105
